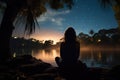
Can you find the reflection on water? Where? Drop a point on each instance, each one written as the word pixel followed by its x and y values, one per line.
pixel 100 58
pixel 91 58
pixel 46 55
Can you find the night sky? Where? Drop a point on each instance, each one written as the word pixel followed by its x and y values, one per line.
pixel 84 16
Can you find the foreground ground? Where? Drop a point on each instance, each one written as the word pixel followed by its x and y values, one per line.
pixel 28 68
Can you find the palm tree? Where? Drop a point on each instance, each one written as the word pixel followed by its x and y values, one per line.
pixel 91 33
pixel 30 9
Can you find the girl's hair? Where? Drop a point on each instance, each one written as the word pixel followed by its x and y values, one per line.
pixel 70 35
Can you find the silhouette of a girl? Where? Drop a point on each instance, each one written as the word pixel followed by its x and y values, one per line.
pixel 69 49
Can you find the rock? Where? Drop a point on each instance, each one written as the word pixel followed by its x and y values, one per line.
pixel 35 68
pixel 114 73
pixel 51 70
pixel 44 76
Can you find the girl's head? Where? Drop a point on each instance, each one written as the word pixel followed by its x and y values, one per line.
pixel 70 35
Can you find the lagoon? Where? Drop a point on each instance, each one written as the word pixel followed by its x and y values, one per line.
pixel 92 58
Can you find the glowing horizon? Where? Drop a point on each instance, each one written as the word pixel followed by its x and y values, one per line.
pixel 44 35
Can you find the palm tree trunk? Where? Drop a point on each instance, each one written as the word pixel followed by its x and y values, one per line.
pixel 6 30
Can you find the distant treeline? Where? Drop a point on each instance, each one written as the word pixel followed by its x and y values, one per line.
pixel 18 43
pixel 103 37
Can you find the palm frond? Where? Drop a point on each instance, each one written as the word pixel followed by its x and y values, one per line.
pixel 5 1
pixel 69 3
pixel 110 2
pixel 30 24
pixel 118 2
pixel 106 2
pixel 56 4
pixel 31 9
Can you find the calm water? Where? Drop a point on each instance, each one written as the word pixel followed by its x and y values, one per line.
pixel 106 59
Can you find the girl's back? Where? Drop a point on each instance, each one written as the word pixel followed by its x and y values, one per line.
pixel 69 52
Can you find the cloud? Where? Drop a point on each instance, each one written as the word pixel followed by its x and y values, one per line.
pixel 58 21
pixel 54 13
pixel 53 16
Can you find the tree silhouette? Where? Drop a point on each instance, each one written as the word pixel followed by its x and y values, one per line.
pixel 116 7
pixel 84 38
pixel 110 2
pixel 48 43
pixel 91 32
pixel 30 9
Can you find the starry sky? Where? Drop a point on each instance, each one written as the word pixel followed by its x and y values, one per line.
pixel 84 16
